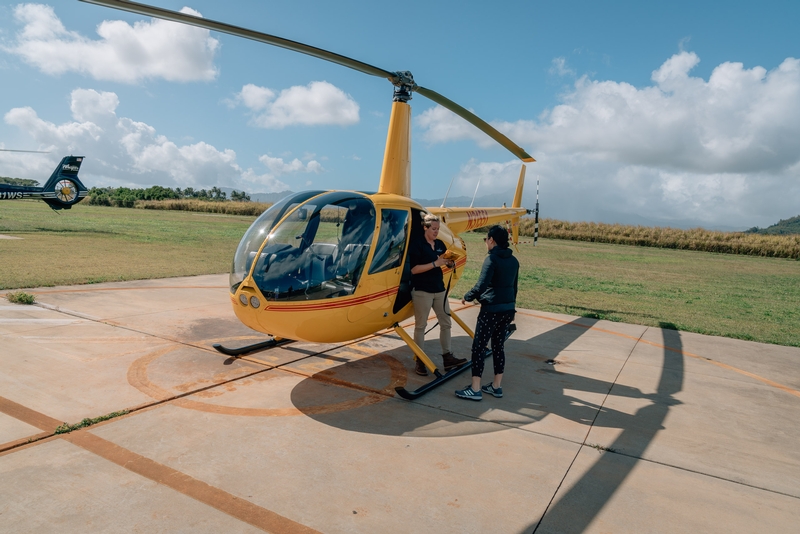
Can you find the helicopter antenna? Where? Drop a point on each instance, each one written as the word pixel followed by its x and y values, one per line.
pixel 476 192
pixel 448 191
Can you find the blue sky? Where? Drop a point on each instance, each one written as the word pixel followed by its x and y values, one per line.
pixel 669 113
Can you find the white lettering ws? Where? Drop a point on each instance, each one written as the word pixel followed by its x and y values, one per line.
pixel 10 195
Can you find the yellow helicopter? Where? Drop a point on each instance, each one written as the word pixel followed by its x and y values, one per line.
pixel 332 266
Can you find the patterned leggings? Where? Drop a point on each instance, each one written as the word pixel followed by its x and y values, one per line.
pixel 490 326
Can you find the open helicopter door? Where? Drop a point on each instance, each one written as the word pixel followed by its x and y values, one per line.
pixel 381 281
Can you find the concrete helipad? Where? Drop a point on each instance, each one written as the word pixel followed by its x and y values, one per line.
pixel 632 429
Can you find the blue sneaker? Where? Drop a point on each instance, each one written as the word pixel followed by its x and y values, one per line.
pixel 468 393
pixel 491 390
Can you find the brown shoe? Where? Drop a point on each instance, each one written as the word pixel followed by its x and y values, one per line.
pixel 420 368
pixel 451 362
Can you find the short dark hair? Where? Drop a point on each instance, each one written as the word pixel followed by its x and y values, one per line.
pixel 499 235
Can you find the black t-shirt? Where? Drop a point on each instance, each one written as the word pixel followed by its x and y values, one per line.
pixel 431 281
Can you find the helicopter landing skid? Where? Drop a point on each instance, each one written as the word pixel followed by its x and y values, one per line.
pixel 442 378
pixel 264 345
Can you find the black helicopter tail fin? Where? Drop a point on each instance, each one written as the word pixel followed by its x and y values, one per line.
pixel 68 168
pixel 64 188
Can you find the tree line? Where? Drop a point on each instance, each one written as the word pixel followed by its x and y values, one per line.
pixel 125 197
pixel 18 181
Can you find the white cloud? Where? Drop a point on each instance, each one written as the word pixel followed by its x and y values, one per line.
pixel 318 103
pixel 124 53
pixel 725 151
pixel 493 177
pixel 560 68
pixel 256 98
pixel 278 167
pixel 441 125
pixel 121 151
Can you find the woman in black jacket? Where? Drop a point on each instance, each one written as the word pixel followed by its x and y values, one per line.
pixel 496 290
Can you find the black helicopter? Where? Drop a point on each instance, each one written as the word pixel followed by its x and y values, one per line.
pixel 62 190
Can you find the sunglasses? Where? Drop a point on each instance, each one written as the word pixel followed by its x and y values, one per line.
pixel 486 239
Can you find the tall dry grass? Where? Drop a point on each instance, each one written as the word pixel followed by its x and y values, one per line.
pixel 204 206
pixel 776 246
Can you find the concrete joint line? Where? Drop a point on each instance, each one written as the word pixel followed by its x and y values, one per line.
pixel 591 425
pixel 694 471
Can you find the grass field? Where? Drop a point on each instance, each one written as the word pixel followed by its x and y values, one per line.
pixel 90 244
pixel 743 297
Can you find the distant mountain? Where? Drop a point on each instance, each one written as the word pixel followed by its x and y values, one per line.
pixel 782 227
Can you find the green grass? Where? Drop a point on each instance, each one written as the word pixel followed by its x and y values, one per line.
pixel 743 297
pixel 92 244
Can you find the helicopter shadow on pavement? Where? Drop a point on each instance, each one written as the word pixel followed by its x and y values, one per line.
pixel 534 390
pixel 574 508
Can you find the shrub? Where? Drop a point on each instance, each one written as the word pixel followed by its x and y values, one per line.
pixel 20 297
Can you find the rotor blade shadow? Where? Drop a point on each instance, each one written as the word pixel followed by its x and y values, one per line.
pixel 575 510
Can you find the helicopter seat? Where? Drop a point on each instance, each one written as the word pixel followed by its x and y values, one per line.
pixel 350 260
pixel 264 259
pixel 322 258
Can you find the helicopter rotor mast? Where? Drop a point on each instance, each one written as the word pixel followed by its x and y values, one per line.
pixel 402 80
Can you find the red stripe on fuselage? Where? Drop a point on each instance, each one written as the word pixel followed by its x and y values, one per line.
pixel 332 305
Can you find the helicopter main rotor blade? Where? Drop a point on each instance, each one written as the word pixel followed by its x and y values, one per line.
pixel 175 16
pixel 481 124
pixel 29 151
pixel 399 79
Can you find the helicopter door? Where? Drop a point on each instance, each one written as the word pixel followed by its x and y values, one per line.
pixel 385 269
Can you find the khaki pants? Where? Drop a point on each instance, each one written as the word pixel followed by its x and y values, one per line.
pixel 423 302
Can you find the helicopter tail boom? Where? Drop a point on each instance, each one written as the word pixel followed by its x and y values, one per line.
pixel 460 220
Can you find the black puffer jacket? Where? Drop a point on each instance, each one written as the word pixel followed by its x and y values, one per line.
pixel 496 288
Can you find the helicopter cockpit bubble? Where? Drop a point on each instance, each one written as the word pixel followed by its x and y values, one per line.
pixel 319 250
pixel 258 232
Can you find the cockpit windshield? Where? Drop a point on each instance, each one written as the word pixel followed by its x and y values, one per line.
pixel 319 250
pixel 258 232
